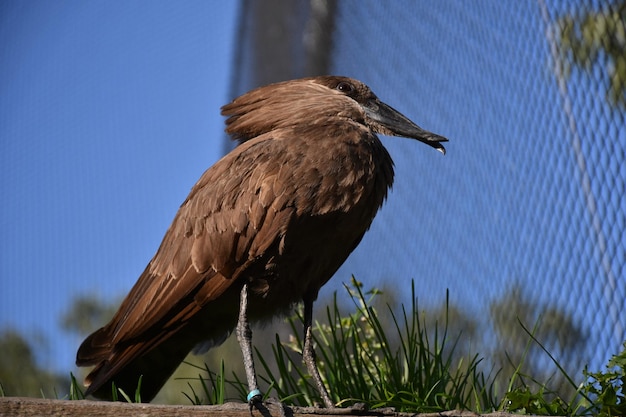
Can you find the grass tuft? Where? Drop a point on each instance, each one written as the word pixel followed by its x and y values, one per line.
pixel 383 362
pixel 75 392
pixel 213 386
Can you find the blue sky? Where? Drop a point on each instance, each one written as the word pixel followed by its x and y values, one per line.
pixel 109 112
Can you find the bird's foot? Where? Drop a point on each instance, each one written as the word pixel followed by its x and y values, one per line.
pixel 269 407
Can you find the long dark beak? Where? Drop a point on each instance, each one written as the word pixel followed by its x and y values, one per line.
pixel 388 121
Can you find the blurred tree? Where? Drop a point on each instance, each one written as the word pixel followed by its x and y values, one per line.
pixel 86 314
pixel 20 375
pixel 554 328
pixel 597 37
pixel 462 328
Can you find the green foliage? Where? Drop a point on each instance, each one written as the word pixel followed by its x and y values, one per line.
pixel 524 401
pixel 117 394
pixel 593 37
pixel 602 394
pixel 519 350
pixel 522 395
pixel 411 363
pixel 607 389
pixel 75 392
pixel 87 313
pixel 415 362
pixel 383 363
pixel 213 388
pixel 19 372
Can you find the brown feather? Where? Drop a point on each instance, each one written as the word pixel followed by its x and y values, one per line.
pixel 281 212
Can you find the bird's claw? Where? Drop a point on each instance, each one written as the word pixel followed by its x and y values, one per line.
pixel 264 406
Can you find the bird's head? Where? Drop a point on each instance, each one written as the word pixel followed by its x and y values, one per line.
pixel 313 101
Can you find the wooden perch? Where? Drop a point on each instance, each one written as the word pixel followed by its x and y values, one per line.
pixel 20 406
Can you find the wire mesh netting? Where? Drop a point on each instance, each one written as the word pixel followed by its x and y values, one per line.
pixel 525 217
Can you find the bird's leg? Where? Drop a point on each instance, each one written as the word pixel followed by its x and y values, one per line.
pixel 244 336
pixel 308 354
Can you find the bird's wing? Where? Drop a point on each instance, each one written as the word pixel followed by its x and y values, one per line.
pixel 234 213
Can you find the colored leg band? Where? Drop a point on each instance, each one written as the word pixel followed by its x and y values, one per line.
pixel 254 393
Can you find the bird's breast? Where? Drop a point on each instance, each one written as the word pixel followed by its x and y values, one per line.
pixel 343 171
pixel 338 184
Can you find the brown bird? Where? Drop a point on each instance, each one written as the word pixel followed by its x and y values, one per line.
pixel 263 229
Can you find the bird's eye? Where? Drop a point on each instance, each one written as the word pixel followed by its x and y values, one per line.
pixel 345 87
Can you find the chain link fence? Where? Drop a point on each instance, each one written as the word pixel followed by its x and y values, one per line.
pixel 524 220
